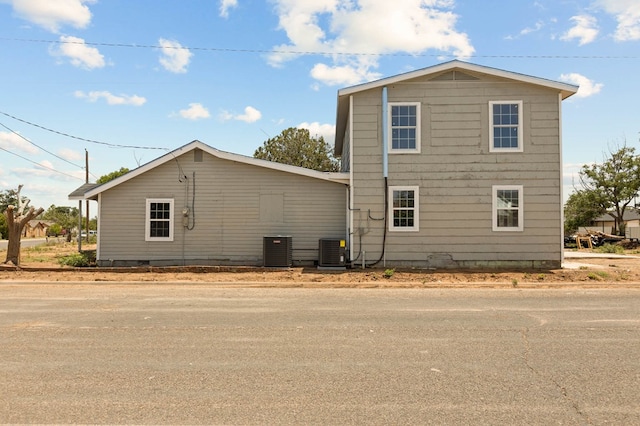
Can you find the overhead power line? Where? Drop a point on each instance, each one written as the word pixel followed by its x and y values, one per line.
pixel 40 165
pixel 311 52
pixel 38 146
pixel 112 145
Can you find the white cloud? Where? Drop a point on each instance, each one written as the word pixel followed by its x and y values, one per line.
pixel 327 131
pixel 51 15
pixel 175 58
pixel 587 87
pixel 225 5
pixel 195 111
pixel 46 169
pixel 627 13
pixel 12 141
pixel 251 115
pixel 585 29
pixel 537 27
pixel 79 54
pixel 526 31
pixel 70 154
pixel 111 99
pixel 341 75
pixel 341 28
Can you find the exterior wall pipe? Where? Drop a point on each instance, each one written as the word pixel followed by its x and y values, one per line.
pixel 351 188
pixel 385 172
pixel 385 134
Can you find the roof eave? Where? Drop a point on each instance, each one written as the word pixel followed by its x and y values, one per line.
pixel 569 89
pixel 93 192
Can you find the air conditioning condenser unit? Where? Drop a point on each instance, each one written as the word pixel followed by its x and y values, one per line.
pixel 277 251
pixel 332 253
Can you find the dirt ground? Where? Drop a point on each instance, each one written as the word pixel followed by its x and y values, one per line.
pixel 588 272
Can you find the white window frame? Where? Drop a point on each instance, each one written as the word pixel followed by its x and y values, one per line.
pixel 390 129
pixel 520 208
pixel 493 126
pixel 416 209
pixel 171 220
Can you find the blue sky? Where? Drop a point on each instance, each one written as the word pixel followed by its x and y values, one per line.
pixel 127 80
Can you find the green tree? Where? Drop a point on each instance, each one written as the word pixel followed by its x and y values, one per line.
pixel 54 230
pixel 296 147
pixel 4 230
pixel 111 176
pixel 581 208
pixel 8 197
pixel 66 217
pixel 615 182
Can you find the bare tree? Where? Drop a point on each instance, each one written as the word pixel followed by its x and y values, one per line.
pixel 17 218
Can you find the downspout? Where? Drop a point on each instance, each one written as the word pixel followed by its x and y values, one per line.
pixel 385 170
pixel 561 181
pixel 99 227
pixel 385 135
pixel 79 226
pixel 350 200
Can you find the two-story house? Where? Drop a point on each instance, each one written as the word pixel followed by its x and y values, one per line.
pixel 456 165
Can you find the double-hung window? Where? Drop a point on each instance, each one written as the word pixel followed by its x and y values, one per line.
pixel 404 208
pixel 159 219
pixel 508 213
pixel 404 127
pixel 505 124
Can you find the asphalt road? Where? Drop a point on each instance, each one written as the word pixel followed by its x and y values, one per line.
pixel 24 242
pixel 169 354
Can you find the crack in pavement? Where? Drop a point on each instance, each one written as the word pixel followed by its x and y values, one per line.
pixel 563 390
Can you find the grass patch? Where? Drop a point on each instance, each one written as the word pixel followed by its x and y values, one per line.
pixel 47 253
pixel 598 275
pixel 610 249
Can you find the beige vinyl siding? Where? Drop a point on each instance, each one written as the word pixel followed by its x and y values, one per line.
pixel 236 205
pixel 345 156
pixel 455 173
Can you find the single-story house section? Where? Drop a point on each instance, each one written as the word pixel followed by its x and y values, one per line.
pixel 36 228
pixel 606 223
pixel 201 206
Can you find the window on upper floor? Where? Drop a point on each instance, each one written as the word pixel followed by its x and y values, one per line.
pixel 505 126
pixel 404 208
pixel 404 127
pixel 507 209
pixel 159 219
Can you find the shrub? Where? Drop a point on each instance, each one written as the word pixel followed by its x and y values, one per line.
pixel 610 248
pixel 77 259
pixel 388 273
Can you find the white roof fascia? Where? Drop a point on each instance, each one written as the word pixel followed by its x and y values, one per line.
pixel 566 89
pixel 328 176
